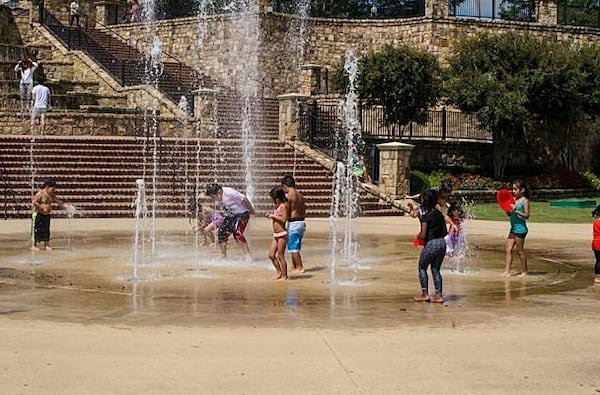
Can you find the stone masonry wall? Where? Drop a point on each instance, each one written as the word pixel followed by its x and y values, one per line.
pixel 327 41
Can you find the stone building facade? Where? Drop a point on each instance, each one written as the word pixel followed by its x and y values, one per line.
pixel 225 48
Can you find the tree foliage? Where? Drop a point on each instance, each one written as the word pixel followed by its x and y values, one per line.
pixel 404 81
pixel 525 90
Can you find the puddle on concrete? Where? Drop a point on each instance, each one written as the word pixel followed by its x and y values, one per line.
pixel 190 285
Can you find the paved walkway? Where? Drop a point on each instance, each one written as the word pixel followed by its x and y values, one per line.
pixel 68 331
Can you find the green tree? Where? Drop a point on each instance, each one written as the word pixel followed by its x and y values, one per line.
pixel 525 90
pixel 404 81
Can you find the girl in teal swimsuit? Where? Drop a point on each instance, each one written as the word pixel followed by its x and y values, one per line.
pixel 518 227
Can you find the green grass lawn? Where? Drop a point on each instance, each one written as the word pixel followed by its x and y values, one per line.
pixel 540 212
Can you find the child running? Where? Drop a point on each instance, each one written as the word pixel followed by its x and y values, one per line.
pixel 518 227
pixel 596 243
pixel 279 215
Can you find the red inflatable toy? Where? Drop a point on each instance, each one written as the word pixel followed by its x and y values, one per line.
pixel 418 242
pixel 505 199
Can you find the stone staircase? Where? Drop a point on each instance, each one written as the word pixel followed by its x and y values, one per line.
pixel 98 174
pixel 96 162
pixel 126 63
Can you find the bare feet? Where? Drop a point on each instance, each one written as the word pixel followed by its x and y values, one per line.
pixel 523 274
pixel 597 280
pixel 34 248
pixel 423 297
pixel 48 248
pixel 296 270
pixel 505 274
pixel 437 299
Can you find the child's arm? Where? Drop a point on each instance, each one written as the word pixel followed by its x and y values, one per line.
pixel 524 214
pixel 246 203
pixel 280 219
pixel 35 201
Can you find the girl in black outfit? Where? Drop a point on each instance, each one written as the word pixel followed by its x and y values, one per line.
pixel 433 230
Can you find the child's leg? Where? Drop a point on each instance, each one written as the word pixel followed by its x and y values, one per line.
pixel 273 258
pixel 209 232
pixel 424 260
pixel 597 267
pixel 281 244
pixel 436 266
pixel 510 244
pixel 43 123
pixel 520 246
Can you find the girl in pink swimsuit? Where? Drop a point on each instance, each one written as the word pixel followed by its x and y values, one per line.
pixel 279 215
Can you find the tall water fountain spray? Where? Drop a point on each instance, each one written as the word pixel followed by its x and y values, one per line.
pixel 345 204
pixel 141 211
pixel 153 71
pixel 297 34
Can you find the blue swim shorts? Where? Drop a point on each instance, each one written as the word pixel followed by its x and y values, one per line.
pixel 295 234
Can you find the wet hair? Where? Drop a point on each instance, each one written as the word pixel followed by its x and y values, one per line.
pixel 41 80
pixel 429 199
pixel 455 210
pixel 596 212
pixel 522 185
pixel 213 188
pixel 49 183
pixel 288 181
pixel 278 194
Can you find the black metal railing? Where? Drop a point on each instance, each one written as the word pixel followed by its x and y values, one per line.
pixel 514 10
pixel 320 123
pixel 9 195
pixel 578 14
pixel 377 9
pixel 123 62
pixel 11 52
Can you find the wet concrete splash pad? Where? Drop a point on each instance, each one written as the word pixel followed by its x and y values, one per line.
pixel 91 281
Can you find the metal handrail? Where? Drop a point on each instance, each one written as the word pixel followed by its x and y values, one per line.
pixel 88 18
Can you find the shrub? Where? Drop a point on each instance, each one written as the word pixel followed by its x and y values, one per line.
pixel 560 179
pixel 418 182
pixel 591 179
pixel 474 182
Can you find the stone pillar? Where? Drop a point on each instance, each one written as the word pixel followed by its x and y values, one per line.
pixel 265 5
pixel 394 168
pixel 109 12
pixel 547 12
pixel 205 111
pixel 436 8
pixel 289 105
pixel 310 79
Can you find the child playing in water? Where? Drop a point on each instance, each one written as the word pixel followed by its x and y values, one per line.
pixel 518 227
pixel 209 220
pixel 454 219
pixel 596 243
pixel 279 216
pixel 42 206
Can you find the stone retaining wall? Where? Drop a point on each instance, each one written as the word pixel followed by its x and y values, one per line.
pixel 327 41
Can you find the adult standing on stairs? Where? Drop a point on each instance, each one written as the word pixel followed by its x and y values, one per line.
pixel 41 104
pixel 26 68
pixel 74 13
